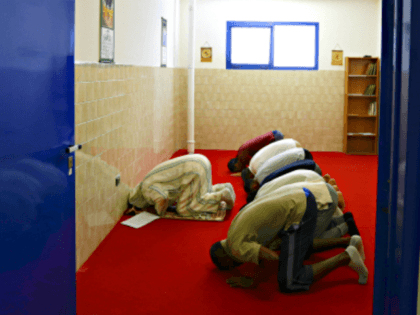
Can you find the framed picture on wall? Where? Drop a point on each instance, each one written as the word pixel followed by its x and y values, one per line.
pixel 164 44
pixel 107 31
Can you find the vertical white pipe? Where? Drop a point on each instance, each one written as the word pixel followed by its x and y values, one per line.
pixel 191 74
pixel 175 24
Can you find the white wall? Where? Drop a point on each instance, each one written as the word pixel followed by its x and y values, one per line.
pixel 86 31
pixel 379 27
pixel 137 31
pixel 353 24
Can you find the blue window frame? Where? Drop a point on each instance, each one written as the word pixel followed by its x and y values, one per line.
pixel 275 60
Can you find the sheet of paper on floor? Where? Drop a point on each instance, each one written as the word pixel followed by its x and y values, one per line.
pixel 140 220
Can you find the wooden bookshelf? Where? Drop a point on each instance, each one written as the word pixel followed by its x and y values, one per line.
pixel 360 128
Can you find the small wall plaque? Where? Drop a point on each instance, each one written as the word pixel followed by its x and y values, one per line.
pixel 206 54
pixel 337 58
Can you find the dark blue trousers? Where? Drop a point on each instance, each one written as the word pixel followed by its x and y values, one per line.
pixel 296 246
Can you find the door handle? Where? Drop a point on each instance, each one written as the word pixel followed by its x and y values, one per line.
pixel 73 148
pixel 70 160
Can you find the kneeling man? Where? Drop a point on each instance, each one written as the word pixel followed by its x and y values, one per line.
pixel 278 162
pixel 291 216
pixel 331 223
pixel 185 181
pixel 271 150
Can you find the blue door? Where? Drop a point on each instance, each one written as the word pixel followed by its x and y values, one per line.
pixel 37 182
pixel 398 203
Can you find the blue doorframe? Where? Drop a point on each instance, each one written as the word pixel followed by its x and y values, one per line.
pixel 397 219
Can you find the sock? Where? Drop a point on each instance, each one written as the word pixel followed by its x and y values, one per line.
pixel 357 264
pixel 348 215
pixel 357 242
pixel 353 230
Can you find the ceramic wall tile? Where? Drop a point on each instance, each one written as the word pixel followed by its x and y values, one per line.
pixel 114 120
pixel 297 102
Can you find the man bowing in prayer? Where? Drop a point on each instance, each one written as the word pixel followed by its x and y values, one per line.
pixel 185 181
pixel 274 164
pixel 290 215
pixel 249 148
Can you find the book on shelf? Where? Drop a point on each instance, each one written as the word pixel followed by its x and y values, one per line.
pixel 372 109
pixel 366 90
pixel 370 90
pixel 371 70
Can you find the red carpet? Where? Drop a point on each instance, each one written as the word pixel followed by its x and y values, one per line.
pixel 165 268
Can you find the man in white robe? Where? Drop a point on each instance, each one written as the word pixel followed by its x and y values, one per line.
pixel 185 181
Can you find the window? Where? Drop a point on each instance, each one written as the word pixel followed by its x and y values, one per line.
pixel 272 45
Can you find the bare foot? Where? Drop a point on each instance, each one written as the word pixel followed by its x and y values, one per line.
pixel 336 188
pixel 332 182
pixel 341 202
pixel 327 177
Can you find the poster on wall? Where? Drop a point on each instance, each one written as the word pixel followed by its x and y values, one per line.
pixel 164 44
pixel 337 58
pixel 107 33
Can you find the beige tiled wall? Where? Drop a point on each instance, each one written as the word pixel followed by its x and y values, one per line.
pixel 128 120
pixel 233 106
pixel 181 105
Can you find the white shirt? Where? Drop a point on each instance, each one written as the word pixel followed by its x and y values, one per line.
pixel 271 150
pixel 279 161
pixel 287 179
pixel 317 187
